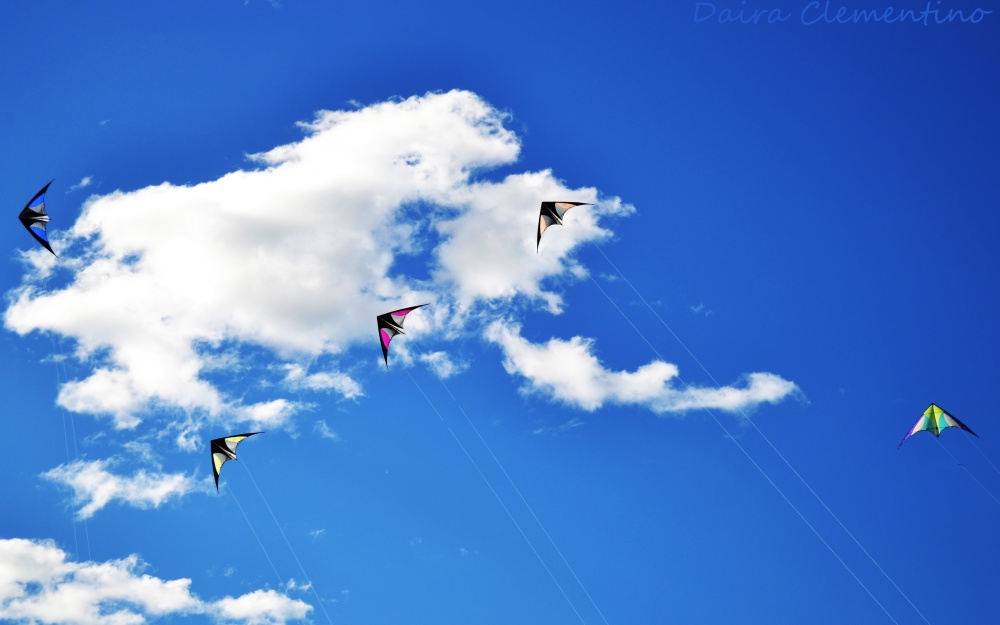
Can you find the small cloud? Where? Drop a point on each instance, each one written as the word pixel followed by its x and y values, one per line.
pixel 270 414
pixel 260 607
pixel 293 585
pixel 344 596
pixel 559 429
pixel 94 487
pixel 416 540
pixel 84 182
pixel 144 451
pixel 442 364
pixel 104 122
pixel 54 358
pixel 700 309
pixel 324 430
pixel 229 571
pixel 569 372
pixel 609 277
pixel 296 377
pixel 317 534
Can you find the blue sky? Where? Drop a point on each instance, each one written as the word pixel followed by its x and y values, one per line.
pixel 241 187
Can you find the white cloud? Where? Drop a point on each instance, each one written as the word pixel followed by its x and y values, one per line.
pixel 39 586
pixel 296 257
pixel 297 378
pixel 94 486
pixel 573 423
pixel 84 182
pixel 569 372
pixel 270 414
pixel 325 431
pixel 442 364
pixel 490 253
pixel 261 607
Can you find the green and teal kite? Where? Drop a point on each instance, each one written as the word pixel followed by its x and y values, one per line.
pixel 935 419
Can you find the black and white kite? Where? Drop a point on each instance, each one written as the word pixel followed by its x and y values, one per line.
pixel 35 218
pixel 389 325
pixel 552 215
pixel 223 450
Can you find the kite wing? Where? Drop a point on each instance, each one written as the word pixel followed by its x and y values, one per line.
pixel 35 218
pixel 224 449
pixel 389 325
pixel 935 419
pixel 552 214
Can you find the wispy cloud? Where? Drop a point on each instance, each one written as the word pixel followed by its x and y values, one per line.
pixel 443 365
pixel 326 432
pixel 573 423
pixel 85 182
pixel 296 377
pixel 39 585
pixel 701 309
pixel 269 414
pixel 570 373
pixel 94 487
pixel 155 304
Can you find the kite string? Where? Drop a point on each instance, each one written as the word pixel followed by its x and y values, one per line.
pixel 762 435
pixel 724 429
pixel 497 496
pixel 290 548
pixel 253 531
pixel 966 469
pixel 521 496
pixel 60 376
pixel 982 453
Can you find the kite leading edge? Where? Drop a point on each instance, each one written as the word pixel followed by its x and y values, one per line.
pixel 935 419
pixel 552 214
pixel 389 325
pixel 35 218
pixel 223 450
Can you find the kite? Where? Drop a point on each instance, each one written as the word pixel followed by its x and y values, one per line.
pixel 389 325
pixel 34 218
pixel 224 449
pixel 552 214
pixel 935 419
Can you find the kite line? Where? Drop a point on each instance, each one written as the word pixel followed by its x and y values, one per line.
pixel 499 499
pixel 523 500
pixel 742 449
pixel 254 532
pixel 60 377
pixel 966 469
pixel 982 453
pixel 290 548
pixel 223 450
pixel 390 324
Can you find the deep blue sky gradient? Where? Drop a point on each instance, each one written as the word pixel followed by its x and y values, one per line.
pixel 827 192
